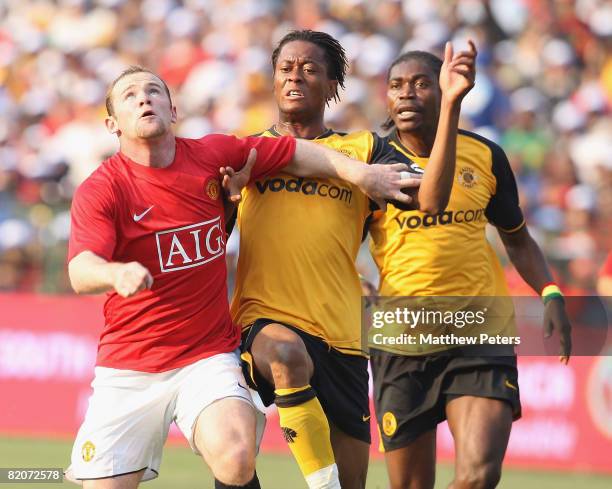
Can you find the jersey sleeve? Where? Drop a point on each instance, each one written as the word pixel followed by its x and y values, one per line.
pixel 92 220
pixel 503 209
pixel 273 154
pixel 382 152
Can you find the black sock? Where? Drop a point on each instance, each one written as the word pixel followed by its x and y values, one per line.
pixel 253 484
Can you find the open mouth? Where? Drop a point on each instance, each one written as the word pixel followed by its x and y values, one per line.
pixel 405 113
pixel 147 113
pixel 295 94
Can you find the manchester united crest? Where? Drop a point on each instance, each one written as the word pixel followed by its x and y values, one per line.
pixel 88 451
pixel 212 189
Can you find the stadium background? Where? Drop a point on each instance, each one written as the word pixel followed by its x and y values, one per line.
pixel 543 91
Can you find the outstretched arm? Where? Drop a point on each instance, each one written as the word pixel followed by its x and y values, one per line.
pixel 380 182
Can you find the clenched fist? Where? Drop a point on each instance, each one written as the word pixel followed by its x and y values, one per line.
pixel 131 278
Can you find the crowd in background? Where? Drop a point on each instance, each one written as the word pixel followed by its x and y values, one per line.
pixel 543 91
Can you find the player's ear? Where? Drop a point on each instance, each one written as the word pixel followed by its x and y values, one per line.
pixel 332 89
pixel 111 125
pixel 173 114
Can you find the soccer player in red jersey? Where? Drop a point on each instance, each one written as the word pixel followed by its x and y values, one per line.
pixel 148 229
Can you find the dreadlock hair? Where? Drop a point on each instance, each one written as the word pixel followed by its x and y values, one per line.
pixel 335 56
pixel 430 60
pixel 130 70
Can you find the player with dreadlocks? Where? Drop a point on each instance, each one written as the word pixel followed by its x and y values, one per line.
pixel 297 293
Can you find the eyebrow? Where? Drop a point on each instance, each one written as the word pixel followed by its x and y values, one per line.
pixel 416 76
pixel 148 84
pixel 303 59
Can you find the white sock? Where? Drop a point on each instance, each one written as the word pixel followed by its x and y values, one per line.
pixel 325 478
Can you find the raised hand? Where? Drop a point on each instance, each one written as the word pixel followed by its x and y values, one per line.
pixel 234 181
pixel 458 72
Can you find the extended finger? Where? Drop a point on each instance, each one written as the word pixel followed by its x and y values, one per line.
pixel 472 46
pixel 399 167
pixel 566 340
pixel 409 182
pixel 252 158
pixel 381 203
pixel 548 327
pixel 225 183
pixel 448 52
pixel 402 197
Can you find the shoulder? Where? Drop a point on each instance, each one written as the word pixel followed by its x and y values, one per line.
pixel 103 177
pixel 99 188
pixel 468 137
pixel 209 141
pixel 350 137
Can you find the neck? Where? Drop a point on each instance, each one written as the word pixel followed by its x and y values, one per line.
pixel 299 126
pixel 420 144
pixel 155 153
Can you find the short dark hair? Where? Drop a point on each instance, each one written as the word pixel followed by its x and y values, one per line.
pixel 130 70
pixel 430 60
pixel 335 56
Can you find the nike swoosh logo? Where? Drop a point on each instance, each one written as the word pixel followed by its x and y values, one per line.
pixel 365 418
pixel 508 384
pixel 138 217
pixel 241 386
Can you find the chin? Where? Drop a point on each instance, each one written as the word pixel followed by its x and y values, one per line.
pixel 407 126
pixel 151 132
pixel 294 107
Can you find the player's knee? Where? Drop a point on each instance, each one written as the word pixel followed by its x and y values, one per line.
pixel 235 465
pixel 412 480
pixel 480 476
pixel 290 362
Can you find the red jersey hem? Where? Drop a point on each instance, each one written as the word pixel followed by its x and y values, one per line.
pixel 173 366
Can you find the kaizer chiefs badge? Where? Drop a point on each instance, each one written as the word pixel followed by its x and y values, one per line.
pixel 467 177
pixel 389 423
pixel 212 189
pixel 88 451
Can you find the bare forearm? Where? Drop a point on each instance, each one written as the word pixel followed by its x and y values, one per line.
pixel 314 160
pixel 527 258
pixel 437 182
pixel 91 274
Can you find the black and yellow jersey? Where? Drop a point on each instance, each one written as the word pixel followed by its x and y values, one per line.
pixel 448 254
pixel 299 238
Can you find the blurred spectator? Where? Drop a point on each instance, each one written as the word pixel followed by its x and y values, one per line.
pixel 544 91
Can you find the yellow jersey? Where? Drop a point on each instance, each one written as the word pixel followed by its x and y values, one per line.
pixel 299 238
pixel 448 254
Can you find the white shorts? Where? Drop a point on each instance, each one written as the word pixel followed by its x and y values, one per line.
pixel 130 413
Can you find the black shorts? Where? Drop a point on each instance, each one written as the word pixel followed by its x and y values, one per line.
pixel 411 392
pixel 339 380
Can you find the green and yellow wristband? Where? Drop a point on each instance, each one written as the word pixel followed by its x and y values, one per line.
pixel 551 291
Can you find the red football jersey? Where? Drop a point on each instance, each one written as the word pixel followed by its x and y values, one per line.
pixel 171 221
